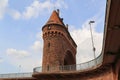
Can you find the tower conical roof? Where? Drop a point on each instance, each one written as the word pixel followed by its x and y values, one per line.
pixel 55 19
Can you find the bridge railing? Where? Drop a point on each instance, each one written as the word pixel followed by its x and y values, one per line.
pixel 16 75
pixel 77 67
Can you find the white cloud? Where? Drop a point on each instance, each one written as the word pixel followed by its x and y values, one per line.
pixel 37 46
pixel 15 14
pixel 26 60
pixel 17 53
pixel 37 8
pixel 1 60
pixel 3 7
pixel 27 64
pixel 32 10
pixel 82 38
pixel 39 35
pixel 22 58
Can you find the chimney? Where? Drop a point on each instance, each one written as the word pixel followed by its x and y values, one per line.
pixel 61 19
pixel 67 26
pixel 58 11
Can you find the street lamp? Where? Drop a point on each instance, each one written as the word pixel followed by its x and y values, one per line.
pixel 90 22
pixel 19 68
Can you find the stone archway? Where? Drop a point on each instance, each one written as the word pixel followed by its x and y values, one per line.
pixel 69 59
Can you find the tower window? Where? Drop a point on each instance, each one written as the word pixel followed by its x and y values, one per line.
pixel 48 68
pixel 48 44
pixel 49 27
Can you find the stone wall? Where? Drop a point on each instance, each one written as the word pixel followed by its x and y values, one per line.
pixel 18 78
pixel 105 72
pixel 58 45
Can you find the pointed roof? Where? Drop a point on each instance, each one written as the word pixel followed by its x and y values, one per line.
pixel 55 19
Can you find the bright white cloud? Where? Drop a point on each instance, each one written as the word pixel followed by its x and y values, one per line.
pixel 32 10
pixel 27 64
pixel 37 46
pixel 82 38
pixel 26 60
pixel 37 8
pixel 32 60
pixel 3 7
pixel 17 53
pixel 22 58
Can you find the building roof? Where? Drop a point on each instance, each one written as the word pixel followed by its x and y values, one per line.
pixel 55 19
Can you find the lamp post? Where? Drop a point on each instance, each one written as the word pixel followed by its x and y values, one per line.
pixel 19 68
pixel 90 22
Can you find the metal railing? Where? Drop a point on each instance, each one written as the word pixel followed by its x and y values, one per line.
pixel 16 75
pixel 78 67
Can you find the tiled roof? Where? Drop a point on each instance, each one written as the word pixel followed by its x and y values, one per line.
pixel 55 19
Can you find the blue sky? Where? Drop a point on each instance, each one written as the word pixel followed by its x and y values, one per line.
pixel 20 30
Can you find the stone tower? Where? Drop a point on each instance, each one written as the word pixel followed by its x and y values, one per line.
pixel 59 47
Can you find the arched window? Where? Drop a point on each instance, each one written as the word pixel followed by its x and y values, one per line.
pixel 49 44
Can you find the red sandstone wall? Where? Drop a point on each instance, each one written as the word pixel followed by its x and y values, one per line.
pixel 104 73
pixel 18 78
pixel 100 74
pixel 117 70
pixel 56 43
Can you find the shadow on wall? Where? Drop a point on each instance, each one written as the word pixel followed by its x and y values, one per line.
pixel 69 59
pixel 119 75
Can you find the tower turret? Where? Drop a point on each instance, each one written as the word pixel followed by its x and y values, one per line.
pixel 59 47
